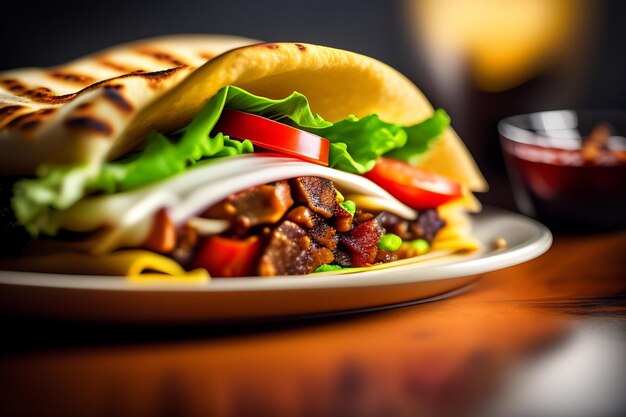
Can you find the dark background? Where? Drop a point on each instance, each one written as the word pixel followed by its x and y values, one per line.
pixel 48 33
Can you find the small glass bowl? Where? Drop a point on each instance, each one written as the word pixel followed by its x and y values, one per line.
pixel 568 168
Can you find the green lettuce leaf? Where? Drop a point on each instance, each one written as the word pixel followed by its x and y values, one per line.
pixel 420 138
pixel 355 146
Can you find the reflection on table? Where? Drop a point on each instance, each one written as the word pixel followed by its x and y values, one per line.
pixel 547 336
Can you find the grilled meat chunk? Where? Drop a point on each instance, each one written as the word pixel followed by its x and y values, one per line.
pixel 343 219
pixel 342 257
pixel 362 242
pixel 385 256
pixel 302 216
pixel 263 204
pixel 317 227
pixel 290 251
pixel 426 226
pixel 300 226
pixel 324 235
pixel 186 244
pixel 317 193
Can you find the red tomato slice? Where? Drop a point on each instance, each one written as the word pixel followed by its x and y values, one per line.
pixel 274 136
pixel 414 187
pixel 226 257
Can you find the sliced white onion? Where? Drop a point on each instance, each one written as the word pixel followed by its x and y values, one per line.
pixel 206 227
pixel 129 214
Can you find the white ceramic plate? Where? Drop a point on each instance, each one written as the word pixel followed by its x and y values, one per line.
pixel 112 299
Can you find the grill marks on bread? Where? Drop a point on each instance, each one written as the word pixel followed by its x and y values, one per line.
pixel 43 95
pixel 163 56
pixel 31 115
pixel 74 78
pixel 97 100
pixel 31 120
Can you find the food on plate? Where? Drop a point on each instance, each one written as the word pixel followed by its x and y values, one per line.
pixel 196 155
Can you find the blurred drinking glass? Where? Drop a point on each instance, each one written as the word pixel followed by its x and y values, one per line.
pixel 483 60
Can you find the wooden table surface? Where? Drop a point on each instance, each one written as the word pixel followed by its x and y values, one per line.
pixel 547 337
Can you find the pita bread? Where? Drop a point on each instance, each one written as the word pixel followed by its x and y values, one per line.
pixel 75 112
pixel 100 107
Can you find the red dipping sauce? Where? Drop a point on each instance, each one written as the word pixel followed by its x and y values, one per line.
pixel 568 168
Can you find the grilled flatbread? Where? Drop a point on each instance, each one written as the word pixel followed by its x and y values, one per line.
pixel 99 107
pixel 78 111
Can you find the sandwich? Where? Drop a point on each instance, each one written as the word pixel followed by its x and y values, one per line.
pixel 221 156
